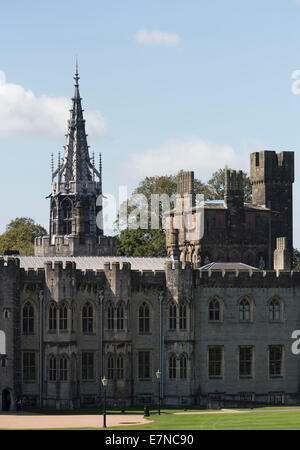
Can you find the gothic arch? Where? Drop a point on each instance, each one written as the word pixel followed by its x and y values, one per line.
pixel 144 312
pixel 215 309
pixel 275 309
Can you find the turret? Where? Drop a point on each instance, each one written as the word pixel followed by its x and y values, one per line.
pixel 76 217
pixel 272 177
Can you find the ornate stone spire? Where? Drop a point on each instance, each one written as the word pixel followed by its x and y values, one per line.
pixel 77 168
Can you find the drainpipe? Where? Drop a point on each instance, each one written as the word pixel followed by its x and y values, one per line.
pixel 161 347
pixel 100 297
pixel 41 331
pixel 270 236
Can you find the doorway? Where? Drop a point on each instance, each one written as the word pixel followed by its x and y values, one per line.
pixel 6 400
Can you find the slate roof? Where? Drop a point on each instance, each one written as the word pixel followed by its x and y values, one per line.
pixel 227 266
pixel 94 262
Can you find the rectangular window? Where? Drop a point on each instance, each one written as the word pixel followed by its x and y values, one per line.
pixel 63 367
pixel 110 368
pixel 172 367
pixel 275 361
pixel 250 221
pixel 220 219
pixel 215 362
pixel 144 364
pixel 87 366
pixel 182 317
pixel 276 398
pixel 246 397
pixel 29 366
pixel 120 368
pixel 245 361
pixel 183 367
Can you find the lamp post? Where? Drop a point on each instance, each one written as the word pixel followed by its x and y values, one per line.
pixel 104 384
pixel 158 376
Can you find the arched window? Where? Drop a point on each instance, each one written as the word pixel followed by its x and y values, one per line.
pixel 52 368
pixel 172 367
pixel 28 318
pixel 182 316
pixel 214 310
pixel 63 317
pixel 110 367
pixel 63 368
pixel 172 316
pixel 245 310
pixel 120 317
pixel 275 310
pixel 67 216
pixel 110 317
pixel 52 317
pixel 183 366
pixel 120 367
pixel 144 318
pixel 88 318
pixel 54 217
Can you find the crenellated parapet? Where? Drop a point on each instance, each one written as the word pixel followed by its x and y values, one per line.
pixel 118 280
pixel 75 245
pixel 244 278
pixel 60 279
pixel 179 280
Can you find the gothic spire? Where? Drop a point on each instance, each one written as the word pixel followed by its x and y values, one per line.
pixel 76 166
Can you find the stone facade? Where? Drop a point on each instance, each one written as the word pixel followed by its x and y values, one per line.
pixel 234 230
pixel 219 333
pixel 133 322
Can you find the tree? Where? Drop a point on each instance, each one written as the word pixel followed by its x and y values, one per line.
pixel 141 243
pixel 216 186
pixel 137 240
pixel 296 259
pixel 20 234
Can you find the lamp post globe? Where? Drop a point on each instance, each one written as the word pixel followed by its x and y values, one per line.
pixel 104 384
pixel 158 376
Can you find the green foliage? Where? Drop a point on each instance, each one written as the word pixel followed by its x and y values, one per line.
pixel 135 241
pixel 20 234
pixel 141 243
pixel 216 185
pixel 296 259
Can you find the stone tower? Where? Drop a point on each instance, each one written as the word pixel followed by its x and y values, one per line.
pixel 272 177
pixel 76 216
pixel 234 201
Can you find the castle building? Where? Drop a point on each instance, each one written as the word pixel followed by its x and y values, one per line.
pixel 238 231
pixel 216 316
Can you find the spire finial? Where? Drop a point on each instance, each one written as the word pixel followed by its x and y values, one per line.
pixel 76 77
pixel 52 163
pixel 100 170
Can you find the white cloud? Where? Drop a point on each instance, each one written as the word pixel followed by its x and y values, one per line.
pixel 203 157
pixel 22 112
pixel 156 37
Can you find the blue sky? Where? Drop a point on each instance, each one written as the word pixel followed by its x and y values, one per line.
pixel 166 84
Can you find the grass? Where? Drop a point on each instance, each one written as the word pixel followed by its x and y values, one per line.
pixel 257 419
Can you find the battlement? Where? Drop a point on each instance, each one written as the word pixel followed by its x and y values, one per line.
pixel 234 181
pixel 244 278
pixel 9 262
pixel 269 166
pixel 74 245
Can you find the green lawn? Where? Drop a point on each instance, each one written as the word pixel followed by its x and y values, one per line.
pixel 275 420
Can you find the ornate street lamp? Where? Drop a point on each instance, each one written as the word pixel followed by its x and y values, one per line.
pixel 104 384
pixel 158 376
